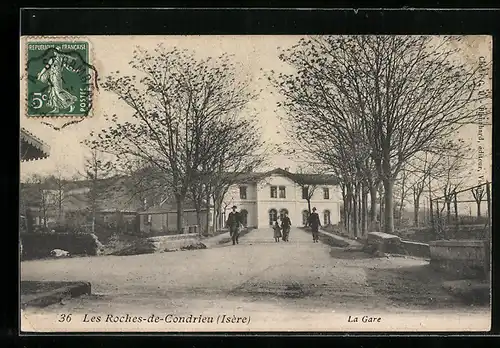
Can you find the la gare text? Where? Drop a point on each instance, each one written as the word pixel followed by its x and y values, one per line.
pixel 364 319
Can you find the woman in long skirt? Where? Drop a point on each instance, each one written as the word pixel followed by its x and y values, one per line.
pixel 277 231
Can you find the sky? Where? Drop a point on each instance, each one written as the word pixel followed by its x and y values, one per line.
pixel 255 55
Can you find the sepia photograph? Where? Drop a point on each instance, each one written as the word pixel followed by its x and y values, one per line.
pixel 255 183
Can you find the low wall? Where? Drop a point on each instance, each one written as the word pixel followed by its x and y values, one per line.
pixel 461 232
pixel 416 249
pixel 330 238
pixel 158 244
pixel 172 242
pixel 461 258
pixel 379 243
pixel 40 245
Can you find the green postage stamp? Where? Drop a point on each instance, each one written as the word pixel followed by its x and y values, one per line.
pixel 60 78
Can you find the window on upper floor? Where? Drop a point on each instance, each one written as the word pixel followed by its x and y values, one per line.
pixel 282 192
pixel 274 192
pixel 305 192
pixel 326 193
pixel 243 192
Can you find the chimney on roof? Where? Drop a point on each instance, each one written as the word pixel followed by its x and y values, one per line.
pixel 287 169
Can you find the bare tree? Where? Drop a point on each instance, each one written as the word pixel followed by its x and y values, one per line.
pixel 34 193
pixel 176 100
pixel 478 193
pixel 423 168
pixel 97 169
pixel 402 191
pixel 306 187
pixel 454 176
pixel 237 154
pixel 57 184
pixel 399 95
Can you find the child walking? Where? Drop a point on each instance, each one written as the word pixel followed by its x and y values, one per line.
pixel 277 231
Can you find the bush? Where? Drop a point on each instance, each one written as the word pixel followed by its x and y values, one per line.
pixel 40 245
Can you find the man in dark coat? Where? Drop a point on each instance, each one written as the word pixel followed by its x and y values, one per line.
pixel 233 222
pixel 314 223
pixel 285 226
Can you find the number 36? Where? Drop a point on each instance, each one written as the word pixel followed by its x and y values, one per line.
pixel 38 99
pixel 65 318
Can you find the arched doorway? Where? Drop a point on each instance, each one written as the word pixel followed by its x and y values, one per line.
pixel 326 217
pixel 273 216
pixel 244 217
pixel 282 213
pixel 305 216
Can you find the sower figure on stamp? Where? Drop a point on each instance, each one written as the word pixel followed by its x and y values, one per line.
pixel 233 222
pixel 52 73
pixel 314 223
pixel 285 226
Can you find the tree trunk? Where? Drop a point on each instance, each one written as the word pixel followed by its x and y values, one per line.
pixel 309 205
pixel 448 210
pixel 431 208
pixel 45 218
pixel 207 222
pixel 360 208
pixel 400 213
pixel 416 211
pixel 93 219
pixel 180 214
pixel 349 219
pixel 478 203
pixel 59 206
pixel 198 220
pixel 381 211
pixel 373 206
pixel 388 206
pixel 355 211
pixel 344 207
pixel 364 211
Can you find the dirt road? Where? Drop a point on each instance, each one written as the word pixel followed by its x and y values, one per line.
pixel 299 284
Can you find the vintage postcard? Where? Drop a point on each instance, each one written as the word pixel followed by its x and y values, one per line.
pixel 255 183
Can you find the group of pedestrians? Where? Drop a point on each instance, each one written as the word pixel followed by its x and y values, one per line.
pixel 282 230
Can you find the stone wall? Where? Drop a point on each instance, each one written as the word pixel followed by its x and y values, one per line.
pixel 158 244
pixel 163 243
pixel 461 258
pixel 381 243
pixel 416 249
pixel 461 232
pixel 40 245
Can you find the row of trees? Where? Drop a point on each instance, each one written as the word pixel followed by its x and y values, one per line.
pixel 191 130
pixel 380 112
pixel 48 195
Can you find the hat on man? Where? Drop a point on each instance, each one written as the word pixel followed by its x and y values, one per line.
pixel 234 207
pixel 314 208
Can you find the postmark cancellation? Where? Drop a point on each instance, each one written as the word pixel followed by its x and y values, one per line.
pixel 60 79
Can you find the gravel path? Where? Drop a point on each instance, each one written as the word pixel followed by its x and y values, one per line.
pixel 296 279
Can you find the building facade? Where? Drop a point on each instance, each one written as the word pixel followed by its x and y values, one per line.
pixel 264 197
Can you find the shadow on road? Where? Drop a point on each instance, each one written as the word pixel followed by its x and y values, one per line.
pixel 341 253
pixel 415 286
